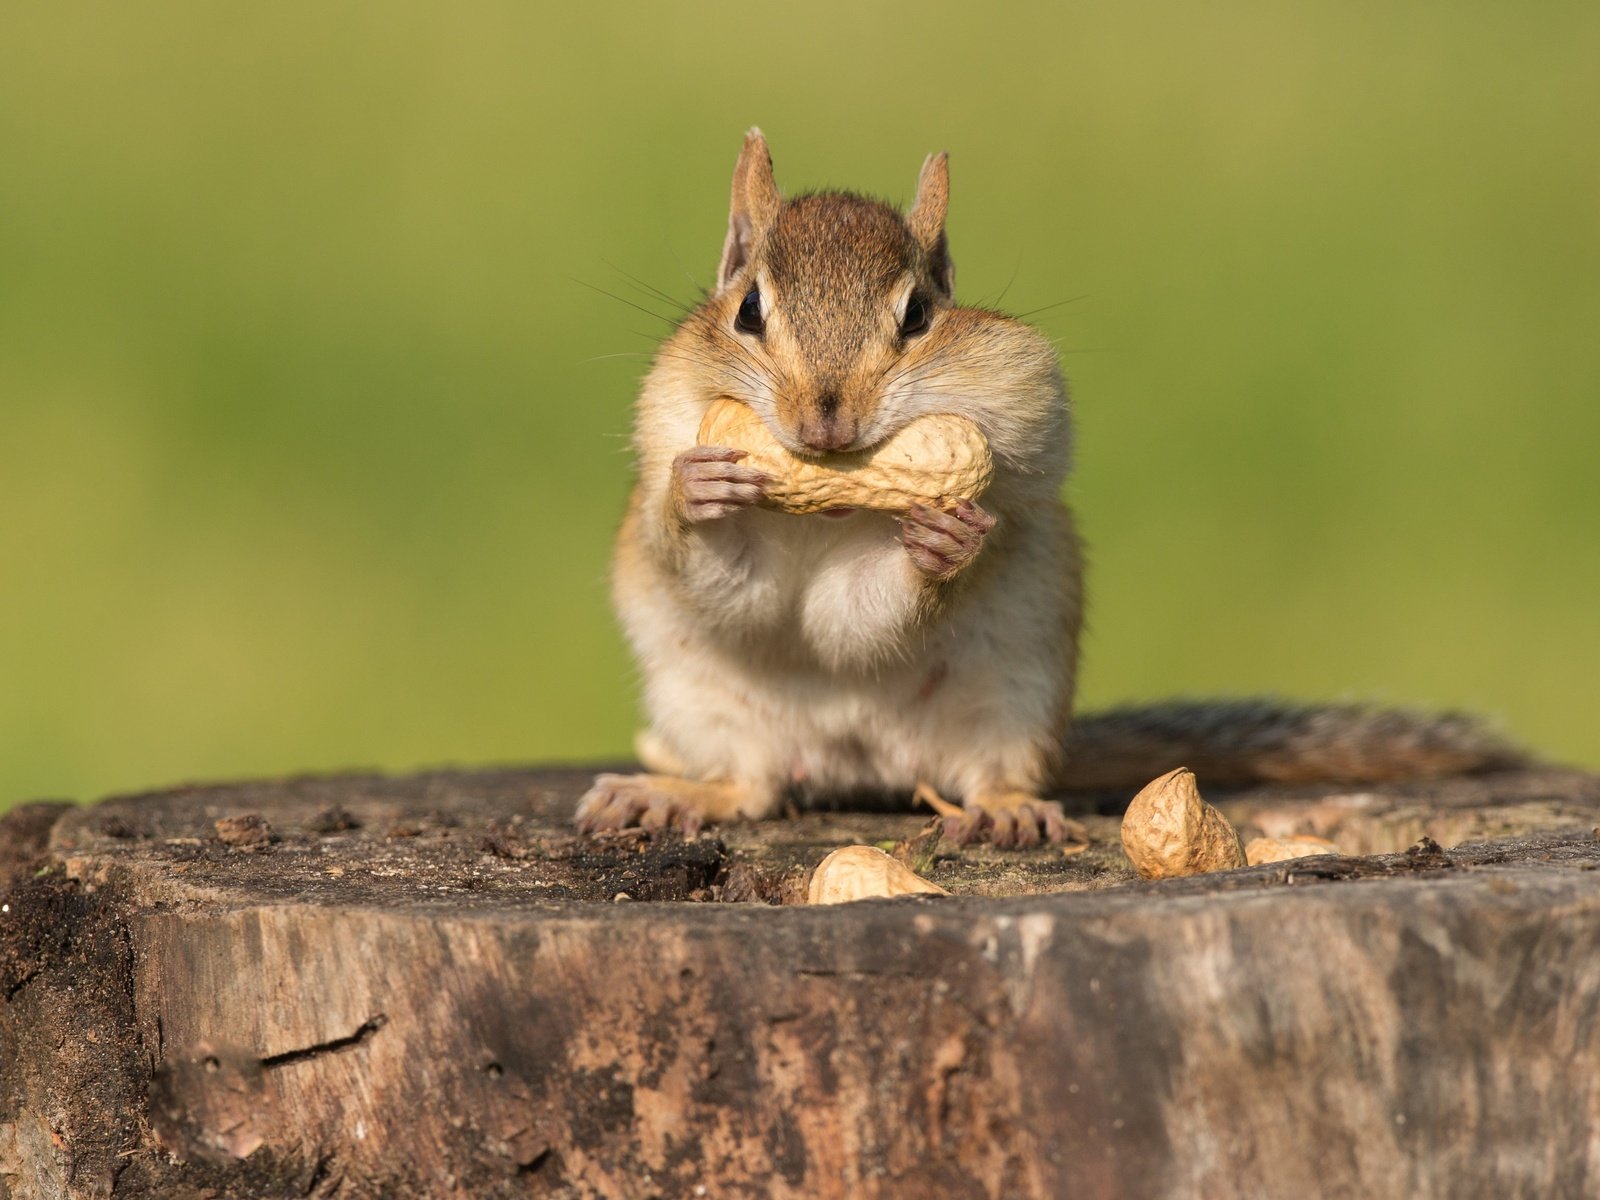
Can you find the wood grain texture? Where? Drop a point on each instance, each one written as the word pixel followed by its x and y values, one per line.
pixel 427 987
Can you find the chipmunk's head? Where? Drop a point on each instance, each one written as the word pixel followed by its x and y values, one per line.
pixel 825 304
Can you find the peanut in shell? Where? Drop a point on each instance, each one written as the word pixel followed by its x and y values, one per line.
pixel 934 460
pixel 1170 831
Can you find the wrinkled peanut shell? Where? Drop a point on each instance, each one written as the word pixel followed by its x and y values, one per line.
pixel 935 460
pixel 1170 831
pixel 1267 850
pixel 864 873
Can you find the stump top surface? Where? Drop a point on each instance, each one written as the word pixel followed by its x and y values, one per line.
pixel 502 840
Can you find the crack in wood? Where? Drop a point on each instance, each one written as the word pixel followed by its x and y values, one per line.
pixel 363 1032
pixel 535 1164
pixel 323 1180
pixel 24 981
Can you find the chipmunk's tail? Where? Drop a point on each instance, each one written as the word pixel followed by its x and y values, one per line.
pixel 1265 740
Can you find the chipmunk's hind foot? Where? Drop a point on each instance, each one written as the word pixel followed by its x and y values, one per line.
pixel 655 802
pixel 1012 819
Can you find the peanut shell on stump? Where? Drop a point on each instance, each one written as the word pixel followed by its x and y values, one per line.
pixel 864 873
pixel 1268 850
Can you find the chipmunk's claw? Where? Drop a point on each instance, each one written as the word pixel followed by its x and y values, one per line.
pixel 1012 820
pixel 942 543
pixel 711 483
pixel 621 801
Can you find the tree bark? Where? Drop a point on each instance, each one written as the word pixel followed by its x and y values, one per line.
pixel 427 986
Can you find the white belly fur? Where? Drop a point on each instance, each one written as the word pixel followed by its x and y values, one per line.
pixel 786 660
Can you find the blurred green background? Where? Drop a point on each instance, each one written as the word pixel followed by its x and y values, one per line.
pixel 312 426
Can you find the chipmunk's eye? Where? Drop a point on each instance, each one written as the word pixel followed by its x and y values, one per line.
pixel 916 319
pixel 749 318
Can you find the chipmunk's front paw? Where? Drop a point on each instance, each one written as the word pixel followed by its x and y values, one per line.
pixel 942 543
pixel 1010 819
pixel 708 483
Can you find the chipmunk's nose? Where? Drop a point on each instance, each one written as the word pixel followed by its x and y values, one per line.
pixel 825 428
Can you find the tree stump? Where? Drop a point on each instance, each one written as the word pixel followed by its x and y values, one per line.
pixel 427 986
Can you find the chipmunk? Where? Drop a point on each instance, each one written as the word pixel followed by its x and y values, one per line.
pixel 855 650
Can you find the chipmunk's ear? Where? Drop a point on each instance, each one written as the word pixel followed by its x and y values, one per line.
pixel 754 207
pixel 926 218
